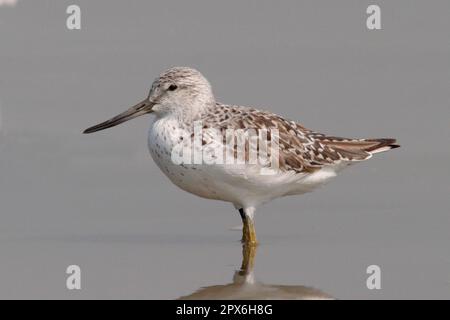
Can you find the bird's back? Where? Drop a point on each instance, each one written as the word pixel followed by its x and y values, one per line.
pixel 300 149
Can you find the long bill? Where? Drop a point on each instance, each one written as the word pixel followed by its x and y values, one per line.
pixel 135 111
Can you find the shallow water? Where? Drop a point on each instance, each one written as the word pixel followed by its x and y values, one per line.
pixel 99 201
pixel 134 235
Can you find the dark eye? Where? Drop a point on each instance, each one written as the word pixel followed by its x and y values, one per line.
pixel 173 87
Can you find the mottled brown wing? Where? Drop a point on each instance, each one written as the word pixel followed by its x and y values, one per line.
pixel 300 149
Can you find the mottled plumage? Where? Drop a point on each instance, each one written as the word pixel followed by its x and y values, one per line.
pixel 301 149
pixel 180 98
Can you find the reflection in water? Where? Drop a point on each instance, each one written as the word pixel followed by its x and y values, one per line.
pixel 245 287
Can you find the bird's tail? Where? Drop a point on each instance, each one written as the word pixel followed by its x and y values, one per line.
pixel 360 149
pixel 381 145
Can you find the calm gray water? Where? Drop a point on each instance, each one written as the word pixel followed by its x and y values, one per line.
pixel 100 202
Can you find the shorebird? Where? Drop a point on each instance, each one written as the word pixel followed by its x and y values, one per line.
pixel 181 99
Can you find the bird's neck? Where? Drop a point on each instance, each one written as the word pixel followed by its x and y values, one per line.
pixel 188 115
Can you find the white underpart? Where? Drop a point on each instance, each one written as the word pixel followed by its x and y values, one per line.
pixel 241 185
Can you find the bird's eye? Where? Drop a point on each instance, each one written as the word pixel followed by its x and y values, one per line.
pixel 172 87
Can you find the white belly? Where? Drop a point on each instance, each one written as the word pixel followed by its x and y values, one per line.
pixel 242 185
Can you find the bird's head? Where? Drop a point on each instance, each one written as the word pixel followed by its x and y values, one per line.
pixel 179 90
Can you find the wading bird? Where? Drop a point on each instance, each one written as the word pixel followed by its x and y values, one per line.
pixel 181 97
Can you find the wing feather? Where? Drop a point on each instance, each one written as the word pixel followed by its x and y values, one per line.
pixel 300 149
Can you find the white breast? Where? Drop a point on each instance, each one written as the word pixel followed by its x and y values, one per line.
pixel 164 134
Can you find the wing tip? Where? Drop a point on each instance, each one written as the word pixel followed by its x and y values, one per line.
pixel 383 145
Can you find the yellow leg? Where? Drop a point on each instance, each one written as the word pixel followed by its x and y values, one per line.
pixel 248 231
pixel 248 259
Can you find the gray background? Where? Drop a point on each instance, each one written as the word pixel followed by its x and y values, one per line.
pixel 100 202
